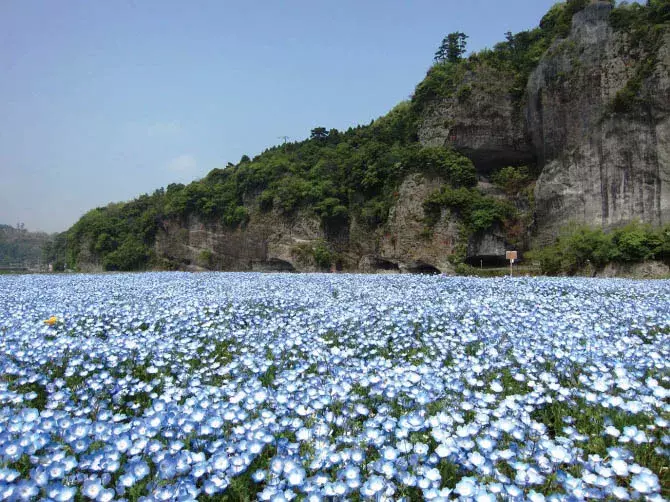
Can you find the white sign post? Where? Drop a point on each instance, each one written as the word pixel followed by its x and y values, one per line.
pixel 511 256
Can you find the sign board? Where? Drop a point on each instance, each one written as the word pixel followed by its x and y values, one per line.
pixel 511 255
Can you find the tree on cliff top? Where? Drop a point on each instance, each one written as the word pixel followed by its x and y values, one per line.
pixel 319 133
pixel 452 48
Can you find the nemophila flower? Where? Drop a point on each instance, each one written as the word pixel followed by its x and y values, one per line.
pixel 373 486
pixel 645 483
pixel 466 487
pixel 559 454
pixel 139 469
pixel 310 412
pixel 92 488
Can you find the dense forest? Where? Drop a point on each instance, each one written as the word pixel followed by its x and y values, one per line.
pixel 354 174
pixel 21 248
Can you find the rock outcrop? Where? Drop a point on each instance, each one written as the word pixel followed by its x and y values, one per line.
pixel 275 243
pixel 481 119
pixel 268 244
pixel 599 166
pixel 593 120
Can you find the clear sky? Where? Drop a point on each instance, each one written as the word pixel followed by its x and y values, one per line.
pixel 102 101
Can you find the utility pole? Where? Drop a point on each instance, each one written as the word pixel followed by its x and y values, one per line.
pixel 285 138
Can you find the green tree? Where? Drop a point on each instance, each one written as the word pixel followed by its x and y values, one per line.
pixel 452 48
pixel 511 179
pixel 319 133
pixel 131 255
pixel 659 11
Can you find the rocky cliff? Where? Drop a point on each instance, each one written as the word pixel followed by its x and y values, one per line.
pixel 600 165
pixel 583 102
pixel 272 242
pixel 597 165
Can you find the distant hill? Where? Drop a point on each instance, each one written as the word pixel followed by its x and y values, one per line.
pixel 19 247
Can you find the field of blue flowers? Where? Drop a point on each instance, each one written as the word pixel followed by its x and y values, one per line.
pixel 333 387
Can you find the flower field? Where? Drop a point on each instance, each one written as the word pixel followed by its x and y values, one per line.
pixel 333 387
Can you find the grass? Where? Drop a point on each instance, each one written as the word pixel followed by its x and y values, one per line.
pixel 268 377
pixel 651 335
pixel 40 402
pixel 451 473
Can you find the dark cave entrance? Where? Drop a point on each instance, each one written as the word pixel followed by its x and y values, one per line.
pixel 487 261
pixel 423 268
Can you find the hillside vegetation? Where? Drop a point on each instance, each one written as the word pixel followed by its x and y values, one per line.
pixel 19 247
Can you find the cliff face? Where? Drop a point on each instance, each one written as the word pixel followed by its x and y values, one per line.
pixel 599 166
pixel 481 119
pixel 267 244
pixel 590 116
pixel 271 242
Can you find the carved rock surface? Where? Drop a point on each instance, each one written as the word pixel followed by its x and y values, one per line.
pixel 485 123
pixel 599 167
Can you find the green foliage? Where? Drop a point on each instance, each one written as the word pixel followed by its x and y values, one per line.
pixel 636 19
pixel 442 82
pixel 54 251
pixel 478 212
pixel 132 254
pixel 452 48
pixel 512 179
pixel 580 245
pixel 332 211
pixel 290 193
pixel 442 162
pixel 645 26
pixel 20 247
pixel 636 242
pixel 323 256
pixel 119 235
pixel 206 258
pixel 319 133
pixel 628 99
pixel 375 211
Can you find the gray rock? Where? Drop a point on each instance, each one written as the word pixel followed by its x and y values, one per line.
pixel 486 124
pixel 598 167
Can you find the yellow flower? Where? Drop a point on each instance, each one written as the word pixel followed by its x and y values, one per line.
pixel 51 321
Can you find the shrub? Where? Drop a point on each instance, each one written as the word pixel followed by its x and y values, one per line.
pixel 332 211
pixel 131 255
pixel 323 256
pixel 579 245
pixel 478 212
pixel 634 243
pixel 374 212
pixel 512 179
pixel 266 200
pixel 235 216
pixel 456 169
pixel 205 258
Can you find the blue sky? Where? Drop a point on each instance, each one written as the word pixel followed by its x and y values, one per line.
pixel 101 101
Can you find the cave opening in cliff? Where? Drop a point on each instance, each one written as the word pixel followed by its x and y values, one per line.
pixel 423 268
pixel 487 261
pixel 274 265
pixel 385 265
